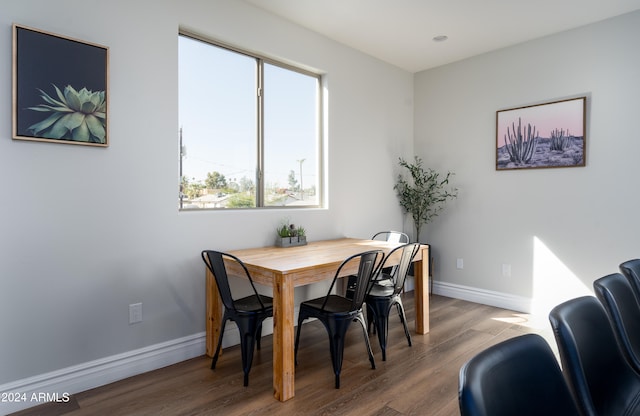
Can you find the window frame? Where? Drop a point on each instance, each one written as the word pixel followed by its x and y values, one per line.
pixel 260 192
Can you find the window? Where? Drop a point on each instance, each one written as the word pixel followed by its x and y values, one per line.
pixel 249 130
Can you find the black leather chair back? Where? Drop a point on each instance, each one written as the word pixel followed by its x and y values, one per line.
pixel 616 295
pixel 519 376
pixel 600 379
pixel 631 270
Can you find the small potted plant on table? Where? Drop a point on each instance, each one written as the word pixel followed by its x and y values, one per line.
pixel 290 235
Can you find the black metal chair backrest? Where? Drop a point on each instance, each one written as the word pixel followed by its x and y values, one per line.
pixel 215 262
pixel 391 236
pixel 616 295
pixel 519 376
pixel 370 262
pixel 400 272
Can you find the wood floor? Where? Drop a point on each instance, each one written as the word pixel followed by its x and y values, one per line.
pixel 418 380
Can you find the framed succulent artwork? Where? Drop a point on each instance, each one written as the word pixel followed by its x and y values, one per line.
pixel 60 89
pixel 547 135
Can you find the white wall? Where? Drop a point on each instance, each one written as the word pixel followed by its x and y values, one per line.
pixel 585 219
pixel 87 231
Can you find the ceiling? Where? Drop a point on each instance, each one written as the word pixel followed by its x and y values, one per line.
pixel 401 32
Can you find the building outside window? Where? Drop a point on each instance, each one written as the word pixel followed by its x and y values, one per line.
pixel 250 130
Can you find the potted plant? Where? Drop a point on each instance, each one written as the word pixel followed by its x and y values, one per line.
pixel 289 235
pixel 424 194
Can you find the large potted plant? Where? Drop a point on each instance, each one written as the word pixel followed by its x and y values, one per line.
pixel 424 193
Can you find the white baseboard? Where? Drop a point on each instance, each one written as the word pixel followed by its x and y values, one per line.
pixel 486 297
pixel 472 294
pixel 59 384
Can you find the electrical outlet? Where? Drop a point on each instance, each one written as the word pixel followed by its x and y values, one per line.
pixel 135 313
pixel 506 270
pixel 459 263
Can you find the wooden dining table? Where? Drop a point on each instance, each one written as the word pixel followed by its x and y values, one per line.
pixel 286 268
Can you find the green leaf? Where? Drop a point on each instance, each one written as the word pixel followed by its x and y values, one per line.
pixel 81 134
pixel 424 195
pixel 59 129
pixel 44 107
pixel 88 107
pixel 95 101
pixel 60 95
pixel 44 124
pixel 39 109
pixel 50 100
pixel 72 98
pixel 96 127
pixel 72 121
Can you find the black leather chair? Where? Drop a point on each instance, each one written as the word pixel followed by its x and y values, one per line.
pixel 517 377
pixel 600 379
pixel 248 312
pixel 631 270
pixel 616 295
pixel 337 312
pixel 385 293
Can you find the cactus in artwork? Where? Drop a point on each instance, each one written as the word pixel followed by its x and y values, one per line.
pixel 559 141
pixel 521 145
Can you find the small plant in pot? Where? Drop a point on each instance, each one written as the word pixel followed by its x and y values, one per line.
pixel 290 235
pixel 424 194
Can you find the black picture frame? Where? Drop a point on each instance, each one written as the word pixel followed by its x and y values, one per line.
pixel 548 135
pixel 60 89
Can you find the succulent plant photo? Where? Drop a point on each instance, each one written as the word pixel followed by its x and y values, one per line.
pixel 75 115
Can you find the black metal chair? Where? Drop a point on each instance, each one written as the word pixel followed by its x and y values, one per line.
pixel 247 312
pixel 631 270
pixel 616 295
pixel 519 376
pixel 337 312
pixel 390 237
pixel 601 380
pixel 385 293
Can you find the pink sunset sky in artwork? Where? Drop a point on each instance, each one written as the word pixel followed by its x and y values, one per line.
pixel 565 115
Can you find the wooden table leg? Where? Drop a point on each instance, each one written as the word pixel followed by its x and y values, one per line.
pixel 214 315
pixel 421 275
pixel 283 338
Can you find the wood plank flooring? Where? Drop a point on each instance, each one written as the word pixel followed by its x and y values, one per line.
pixel 418 380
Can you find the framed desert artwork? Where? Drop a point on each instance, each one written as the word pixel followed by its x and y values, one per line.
pixel 548 135
pixel 60 89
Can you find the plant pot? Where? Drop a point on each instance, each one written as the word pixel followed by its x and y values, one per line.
pixel 291 241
